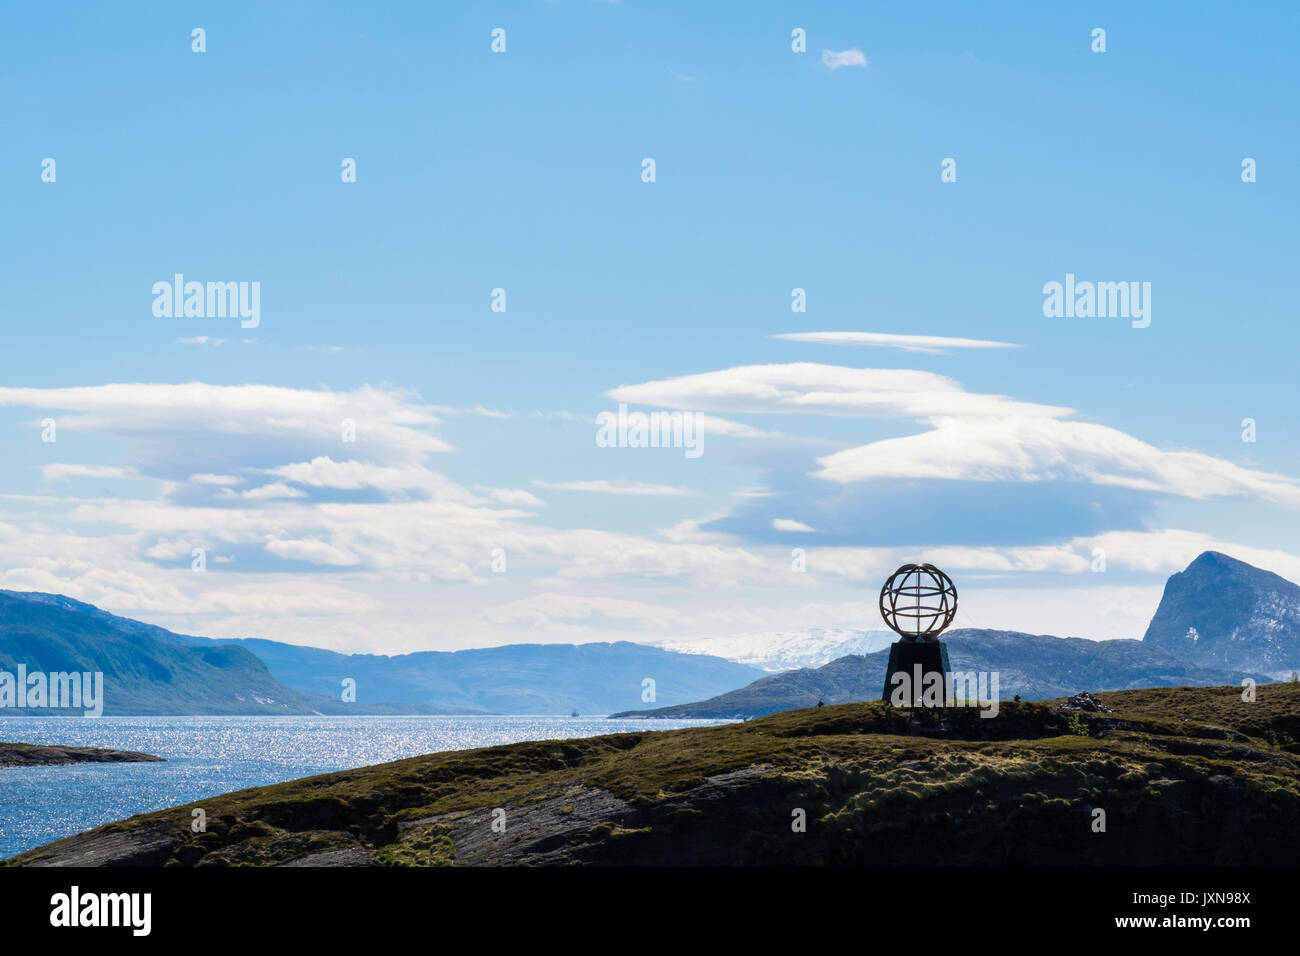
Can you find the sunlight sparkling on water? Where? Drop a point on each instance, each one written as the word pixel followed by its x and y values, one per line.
pixel 212 755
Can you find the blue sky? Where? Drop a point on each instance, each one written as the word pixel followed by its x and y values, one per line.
pixel 522 171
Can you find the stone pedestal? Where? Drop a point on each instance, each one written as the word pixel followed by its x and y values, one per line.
pixel 916 659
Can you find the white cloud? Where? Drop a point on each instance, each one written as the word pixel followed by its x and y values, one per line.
pixel 515 497
pixel 475 410
pixel 277 489
pixel 58 471
pixel 542 610
pixel 1101 610
pixel 398 561
pixel 353 475
pixel 615 486
pixel 1150 553
pixel 394 564
pixel 789 524
pixel 834 59
pixel 932 344
pixel 183 421
pixel 313 551
pixel 810 388
pixel 712 425
pixel 1036 448
pixel 1172 549
pixel 216 480
pixel 973 437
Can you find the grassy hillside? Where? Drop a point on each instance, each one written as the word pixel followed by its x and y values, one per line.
pixel 1185 777
pixel 147 670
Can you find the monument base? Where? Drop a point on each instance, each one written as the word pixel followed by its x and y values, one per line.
pixel 908 678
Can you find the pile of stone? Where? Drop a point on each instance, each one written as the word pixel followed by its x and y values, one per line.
pixel 1087 702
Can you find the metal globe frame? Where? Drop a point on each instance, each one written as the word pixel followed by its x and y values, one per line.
pixel 918 601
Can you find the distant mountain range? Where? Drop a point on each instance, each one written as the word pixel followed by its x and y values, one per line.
pixel 150 670
pixel 1219 621
pixel 1032 666
pixel 592 679
pixel 1222 612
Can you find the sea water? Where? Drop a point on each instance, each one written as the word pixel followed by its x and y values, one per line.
pixel 206 756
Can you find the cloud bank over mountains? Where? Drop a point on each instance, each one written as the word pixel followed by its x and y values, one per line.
pixel 329 516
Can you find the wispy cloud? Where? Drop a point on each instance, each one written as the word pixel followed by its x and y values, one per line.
pixel 57 471
pixel 323 472
pixel 810 388
pixel 1033 449
pixel 277 489
pixel 542 610
pixel 224 428
pixel 789 524
pixel 615 486
pixel 216 480
pixel 475 410
pixel 936 344
pixel 835 59
pixel 972 436
pixel 515 497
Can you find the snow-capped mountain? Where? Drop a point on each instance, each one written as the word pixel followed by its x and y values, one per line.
pixel 786 650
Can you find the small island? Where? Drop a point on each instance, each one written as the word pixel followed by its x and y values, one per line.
pixel 45 755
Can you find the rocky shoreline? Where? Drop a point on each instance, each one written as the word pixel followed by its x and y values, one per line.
pixel 46 755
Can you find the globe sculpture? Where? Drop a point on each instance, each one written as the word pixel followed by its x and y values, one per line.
pixel 917 602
